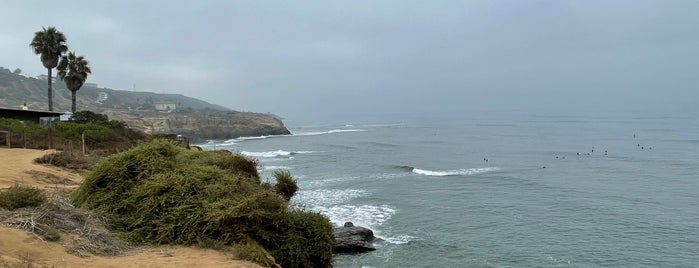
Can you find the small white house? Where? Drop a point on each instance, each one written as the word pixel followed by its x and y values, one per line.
pixel 66 116
pixel 102 96
pixel 166 105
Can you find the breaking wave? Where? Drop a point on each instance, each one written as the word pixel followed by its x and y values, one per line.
pixel 276 153
pixel 314 133
pixel 455 172
pixel 276 168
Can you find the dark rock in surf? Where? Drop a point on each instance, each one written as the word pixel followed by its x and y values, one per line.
pixel 353 239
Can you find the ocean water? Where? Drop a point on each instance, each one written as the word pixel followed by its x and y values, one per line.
pixel 630 198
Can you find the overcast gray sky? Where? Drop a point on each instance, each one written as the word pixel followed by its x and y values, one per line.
pixel 305 59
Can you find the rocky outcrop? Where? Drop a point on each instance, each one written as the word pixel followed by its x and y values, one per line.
pixel 197 127
pixel 353 239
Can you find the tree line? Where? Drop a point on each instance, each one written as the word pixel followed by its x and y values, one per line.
pixel 50 45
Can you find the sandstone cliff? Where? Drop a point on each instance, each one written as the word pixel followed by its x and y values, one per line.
pixel 200 126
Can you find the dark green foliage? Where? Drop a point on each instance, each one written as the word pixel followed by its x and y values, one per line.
pixel 286 185
pixel 73 131
pixel 161 193
pixel 98 119
pixel 73 70
pixel 25 134
pixel 90 117
pixel 306 240
pixel 251 251
pixel 18 126
pixel 49 44
pixel 13 125
pixel 20 196
pixel 99 134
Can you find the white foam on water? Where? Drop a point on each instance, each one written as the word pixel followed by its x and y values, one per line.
pixel 315 133
pixel 277 159
pixel 388 176
pixel 276 153
pixel 455 172
pixel 266 154
pixel 324 182
pixel 361 215
pixel 277 168
pixel 326 197
pixel 252 138
pixel 398 239
pixel 333 204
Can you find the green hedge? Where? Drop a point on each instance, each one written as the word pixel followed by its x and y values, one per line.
pixel 161 193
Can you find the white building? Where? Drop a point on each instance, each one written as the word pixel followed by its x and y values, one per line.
pixel 166 105
pixel 66 116
pixel 102 96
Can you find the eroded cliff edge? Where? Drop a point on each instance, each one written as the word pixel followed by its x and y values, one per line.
pixel 203 126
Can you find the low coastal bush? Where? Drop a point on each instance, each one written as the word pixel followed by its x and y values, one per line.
pixel 20 196
pixel 161 193
pixel 253 252
pixel 99 133
pixel 286 185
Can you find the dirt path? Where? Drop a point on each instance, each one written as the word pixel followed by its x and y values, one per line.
pixel 16 166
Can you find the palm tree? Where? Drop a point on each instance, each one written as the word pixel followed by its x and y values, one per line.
pixel 50 44
pixel 73 70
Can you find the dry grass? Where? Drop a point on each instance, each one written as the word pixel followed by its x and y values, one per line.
pixel 84 233
pixel 25 261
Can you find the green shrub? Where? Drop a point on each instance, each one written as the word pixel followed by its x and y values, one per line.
pixel 306 240
pixel 161 193
pixel 251 251
pixel 13 125
pixel 90 117
pixel 73 131
pixel 24 133
pixel 19 196
pixel 286 185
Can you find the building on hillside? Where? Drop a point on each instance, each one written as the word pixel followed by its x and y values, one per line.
pixel 166 105
pixel 46 77
pixel 30 115
pixel 102 96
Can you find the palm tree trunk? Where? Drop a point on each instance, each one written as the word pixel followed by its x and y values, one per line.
pixel 50 96
pixel 72 98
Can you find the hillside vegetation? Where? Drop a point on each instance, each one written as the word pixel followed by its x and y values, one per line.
pixel 16 90
pixel 196 119
pixel 161 193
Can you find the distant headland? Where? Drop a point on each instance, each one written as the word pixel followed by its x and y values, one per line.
pixel 152 113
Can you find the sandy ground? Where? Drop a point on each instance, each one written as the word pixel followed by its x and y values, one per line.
pixel 16 166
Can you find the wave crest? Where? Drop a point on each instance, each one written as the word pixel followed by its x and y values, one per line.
pixel 455 172
pixel 276 153
pixel 327 132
